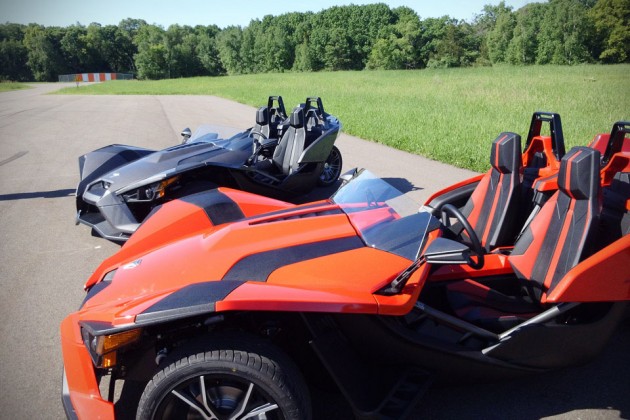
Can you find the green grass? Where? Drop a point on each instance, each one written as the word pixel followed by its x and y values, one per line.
pixel 7 86
pixel 449 115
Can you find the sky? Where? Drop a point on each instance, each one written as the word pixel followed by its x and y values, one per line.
pixel 207 12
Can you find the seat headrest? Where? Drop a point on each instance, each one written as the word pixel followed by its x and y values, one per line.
pixel 311 119
pixel 297 117
pixel 505 156
pixel 262 116
pixel 579 173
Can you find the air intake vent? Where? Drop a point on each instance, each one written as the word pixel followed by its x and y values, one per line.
pixel 294 216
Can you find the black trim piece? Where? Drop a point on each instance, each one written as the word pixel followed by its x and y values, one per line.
pixel 615 142
pixel 190 300
pixel 98 328
pixel 555 129
pixel 218 207
pixel 258 267
pixel 263 217
pixel 297 215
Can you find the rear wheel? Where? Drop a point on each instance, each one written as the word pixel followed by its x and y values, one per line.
pixel 332 168
pixel 245 380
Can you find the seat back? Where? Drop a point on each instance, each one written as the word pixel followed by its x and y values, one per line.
pixel 262 121
pixel 277 115
pixel 314 128
pixel 291 145
pixel 493 207
pixel 556 239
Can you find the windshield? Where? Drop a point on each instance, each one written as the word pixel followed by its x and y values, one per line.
pixel 385 218
pixel 225 137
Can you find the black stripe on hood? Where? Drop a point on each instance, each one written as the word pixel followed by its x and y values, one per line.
pixel 219 207
pixel 258 267
pixel 194 299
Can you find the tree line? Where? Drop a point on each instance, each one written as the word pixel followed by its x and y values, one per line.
pixel 351 37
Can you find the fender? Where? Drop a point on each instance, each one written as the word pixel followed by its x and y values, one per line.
pixel 604 276
pixel 101 161
pixel 188 216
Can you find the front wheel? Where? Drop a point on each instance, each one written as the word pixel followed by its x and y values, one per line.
pixel 245 380
pixel 332 168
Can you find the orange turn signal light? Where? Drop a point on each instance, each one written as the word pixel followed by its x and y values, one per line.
pixel 108 343
pixel 108 360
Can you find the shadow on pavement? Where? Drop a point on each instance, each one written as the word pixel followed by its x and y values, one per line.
pixel 38 194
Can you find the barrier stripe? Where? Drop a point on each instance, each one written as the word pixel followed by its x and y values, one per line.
pixel 94 77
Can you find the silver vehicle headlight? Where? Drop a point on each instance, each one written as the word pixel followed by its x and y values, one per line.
pixel 149 192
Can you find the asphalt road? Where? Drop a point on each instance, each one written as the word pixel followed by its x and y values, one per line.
pixel 44 258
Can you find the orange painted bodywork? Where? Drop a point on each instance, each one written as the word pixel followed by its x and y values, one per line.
pixel 84 392
pixel 620 162
pixel 189 250
pixel 177 220
pixel 542 144
pixel 600 142
pixel 164 255
pixel 603 277
pixel 253 205
pixel 340 283
pixel 454 187
pixel 174 266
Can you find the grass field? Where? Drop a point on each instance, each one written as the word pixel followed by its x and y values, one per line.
pixel 450 115
pixel 7 86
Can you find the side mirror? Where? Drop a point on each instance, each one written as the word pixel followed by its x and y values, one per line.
pixel 446 251
pixel 348 175
pixel 186 134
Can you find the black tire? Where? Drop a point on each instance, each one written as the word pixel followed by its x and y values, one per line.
pixel 231 372
pixel 332 168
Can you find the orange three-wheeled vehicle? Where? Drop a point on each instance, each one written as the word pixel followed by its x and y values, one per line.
pixel 519 270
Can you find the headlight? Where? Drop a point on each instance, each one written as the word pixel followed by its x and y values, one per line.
pixel 159 191
pixel 149 192
pixel 102 348
pixel 99 188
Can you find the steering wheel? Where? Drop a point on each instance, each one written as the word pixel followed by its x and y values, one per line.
pixel 477 249
pixel 256 142
pixel 252 132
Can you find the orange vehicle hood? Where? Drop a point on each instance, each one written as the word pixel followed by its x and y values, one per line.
pixel 302 258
